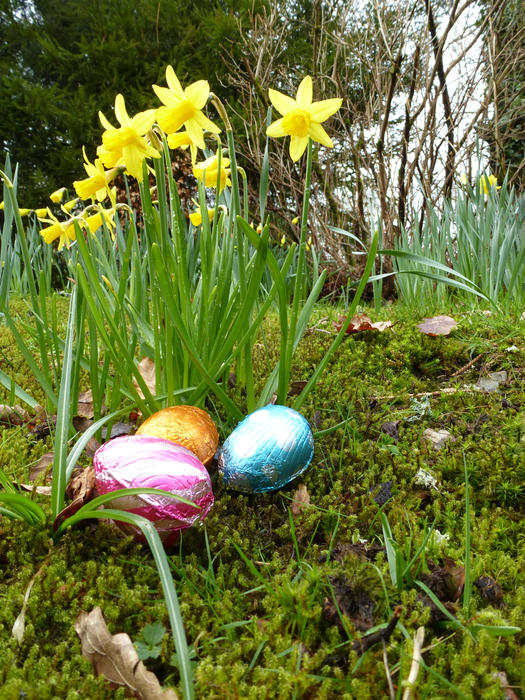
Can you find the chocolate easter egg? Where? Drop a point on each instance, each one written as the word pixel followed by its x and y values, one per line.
pixel 188 426
pixel 136 461
pixel 267 450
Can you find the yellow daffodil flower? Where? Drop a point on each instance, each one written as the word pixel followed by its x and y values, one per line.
pixel 182 139
pixel 295 220
pixel 57 195
pixel 65 230
pixel 69 206
pixel 24 212
pixel 1 206
pixel 309 243
pixel 126 144
pixel 42 213
pixel 283 241
pixel 196 218
pixel 301 118
pixel 207 172
pixel 486 183
pixel 184 107
pixel 259 229
pixel 95 186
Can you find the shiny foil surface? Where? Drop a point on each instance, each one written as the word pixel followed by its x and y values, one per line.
pixel 135 461
pixel 186 425
pixel 267 450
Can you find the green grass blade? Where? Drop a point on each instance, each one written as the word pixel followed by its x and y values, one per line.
pixel 59 481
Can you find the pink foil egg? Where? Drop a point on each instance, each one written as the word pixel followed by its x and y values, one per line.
pixel 141 461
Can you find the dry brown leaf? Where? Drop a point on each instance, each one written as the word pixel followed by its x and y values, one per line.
pixel 14 415
pixel 438 325
pixel 80 489
pixel 146 368
pixel 361 322
pixel 42 490
pixel 42 465
pixel 301 499
pixel 85 404
pixel 115 657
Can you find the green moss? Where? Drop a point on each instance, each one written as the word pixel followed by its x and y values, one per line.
pixel 266 634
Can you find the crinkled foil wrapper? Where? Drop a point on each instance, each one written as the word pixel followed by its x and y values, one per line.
pixel 268 449
pixel 140 461
pixel 188 426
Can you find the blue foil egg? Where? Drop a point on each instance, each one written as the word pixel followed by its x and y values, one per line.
pixel 267 450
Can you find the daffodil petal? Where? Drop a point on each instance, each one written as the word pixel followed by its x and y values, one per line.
pixel 120 110
pixel 143 121
pixel 195 133
pixel 198 93
pixel 174 83
pixel 320 111
pixel 304 92
pixel 205 123
pixel 165 95
pixel 298 146
pixel 133 159
pixel 276 129
pixel 105 123
pixel 282 103
pixel 317 133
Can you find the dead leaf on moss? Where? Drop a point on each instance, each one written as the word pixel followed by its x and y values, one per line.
pixel 14 415
pixel 438 325
pixel 43 464
pixel 354 603
pixel 490 590
pixel 361 322
pixel 146 369
pixel 42 490
pixel 115 657
pixel 85 404
pixel 301 499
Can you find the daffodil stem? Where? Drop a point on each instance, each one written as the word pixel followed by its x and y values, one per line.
pixel 299 275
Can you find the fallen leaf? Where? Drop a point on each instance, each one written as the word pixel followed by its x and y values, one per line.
pixel 382 493
pixel 490 590
pixel 118 429
pixel 85 404
pixel 146 369
pixel 438 438
pixel 81 489
pixel 42 490
pixel 354 603
pixel 446 582
pixel 391 428
pixel 82 483
pixel 361 322
pixel 296 387
pixel 14 415
pixel 301 499
pixel 438 325
pixel 115 657
pixel 41 430
pixel 42 465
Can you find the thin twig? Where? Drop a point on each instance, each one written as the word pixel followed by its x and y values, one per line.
pixel 387 671
pixel 414 668
pixel 467 366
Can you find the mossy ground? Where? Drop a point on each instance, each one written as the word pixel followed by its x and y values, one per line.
pixel 263 630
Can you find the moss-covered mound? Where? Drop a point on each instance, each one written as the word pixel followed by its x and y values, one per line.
pixel 276 595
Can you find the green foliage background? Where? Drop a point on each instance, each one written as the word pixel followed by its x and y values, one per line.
pixel 61 62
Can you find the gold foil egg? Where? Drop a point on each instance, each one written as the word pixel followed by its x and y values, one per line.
pixel 188 426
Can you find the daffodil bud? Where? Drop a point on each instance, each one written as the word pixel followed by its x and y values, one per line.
pixel 57 195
